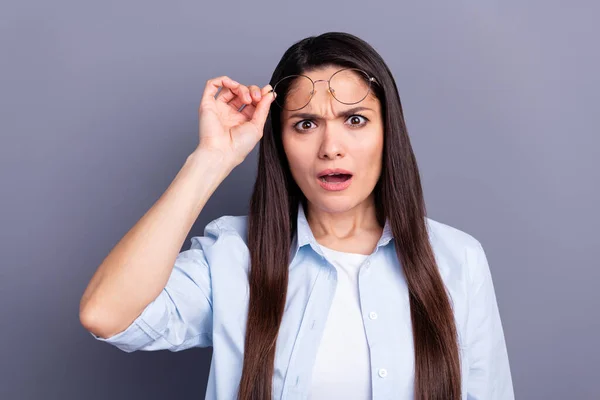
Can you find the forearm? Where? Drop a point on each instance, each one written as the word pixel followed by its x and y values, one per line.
pixel 138 267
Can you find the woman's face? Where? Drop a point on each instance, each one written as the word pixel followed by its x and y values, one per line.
pixel 329 135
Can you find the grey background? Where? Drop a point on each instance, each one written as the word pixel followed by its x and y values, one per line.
pixel 98 110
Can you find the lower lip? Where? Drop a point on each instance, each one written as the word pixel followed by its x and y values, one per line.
pixel 335 186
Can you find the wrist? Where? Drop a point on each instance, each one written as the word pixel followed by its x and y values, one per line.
pixel 212 160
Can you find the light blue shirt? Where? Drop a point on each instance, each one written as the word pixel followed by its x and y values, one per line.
pixel 205 303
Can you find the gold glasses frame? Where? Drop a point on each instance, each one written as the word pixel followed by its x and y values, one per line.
pixel 370 80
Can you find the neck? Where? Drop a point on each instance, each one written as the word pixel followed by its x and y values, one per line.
pixel 337 226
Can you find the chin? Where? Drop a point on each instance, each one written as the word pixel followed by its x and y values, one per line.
pixel 333 204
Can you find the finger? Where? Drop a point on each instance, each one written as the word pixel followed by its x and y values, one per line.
pixel 244 94
pixel 225 95
pixel 240 94
pixel 248 111
pixel 262 108
pixel 213 85
pixel 256 93
pixel 265 90
pixel 237 102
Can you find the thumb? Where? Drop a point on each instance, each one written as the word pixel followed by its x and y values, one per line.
pixel 262 109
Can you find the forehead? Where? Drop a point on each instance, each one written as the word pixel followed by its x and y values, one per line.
pixel 318 102
pixel 325 72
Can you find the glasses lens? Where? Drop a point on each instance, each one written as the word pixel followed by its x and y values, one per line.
pixel 298 91
pixel 350 86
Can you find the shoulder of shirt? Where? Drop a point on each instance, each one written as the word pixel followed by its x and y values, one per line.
pixel 444 234
pixel 228 225
pixel 453 247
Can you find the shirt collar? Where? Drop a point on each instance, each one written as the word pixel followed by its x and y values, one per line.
pixel 304 235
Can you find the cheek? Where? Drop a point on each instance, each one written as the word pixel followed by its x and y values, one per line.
pixel 369 158
pixel 369 151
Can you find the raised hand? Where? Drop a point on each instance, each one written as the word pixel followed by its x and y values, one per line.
pixel 224 129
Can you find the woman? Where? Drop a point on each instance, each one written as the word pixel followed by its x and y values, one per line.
pixel 336 285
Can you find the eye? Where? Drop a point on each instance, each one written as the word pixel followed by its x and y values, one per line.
pixel 304 125
pixel 355 117
pixel 301 126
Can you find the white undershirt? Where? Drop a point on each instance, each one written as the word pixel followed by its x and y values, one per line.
pixel 342 368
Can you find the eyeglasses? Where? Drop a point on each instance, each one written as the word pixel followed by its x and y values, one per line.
pixel 348 86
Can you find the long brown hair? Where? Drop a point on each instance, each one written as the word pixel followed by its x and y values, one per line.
pixel 398 196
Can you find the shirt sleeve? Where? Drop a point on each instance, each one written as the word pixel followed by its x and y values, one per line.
pixel 489 370
pixel 181 316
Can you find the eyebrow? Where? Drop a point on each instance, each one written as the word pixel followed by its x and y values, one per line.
pixel 345 113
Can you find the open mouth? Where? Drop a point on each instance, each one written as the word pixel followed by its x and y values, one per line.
pixel 335 178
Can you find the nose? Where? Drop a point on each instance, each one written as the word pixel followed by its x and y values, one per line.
pixel 331 145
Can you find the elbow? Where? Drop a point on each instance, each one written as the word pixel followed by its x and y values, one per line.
pixel 88 321
pixel 91 322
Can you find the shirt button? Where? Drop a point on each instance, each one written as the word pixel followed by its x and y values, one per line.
pixel 382 372
pixel 373 315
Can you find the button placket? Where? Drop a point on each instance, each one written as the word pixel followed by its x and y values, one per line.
pixel 310 330
pixel 366 266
